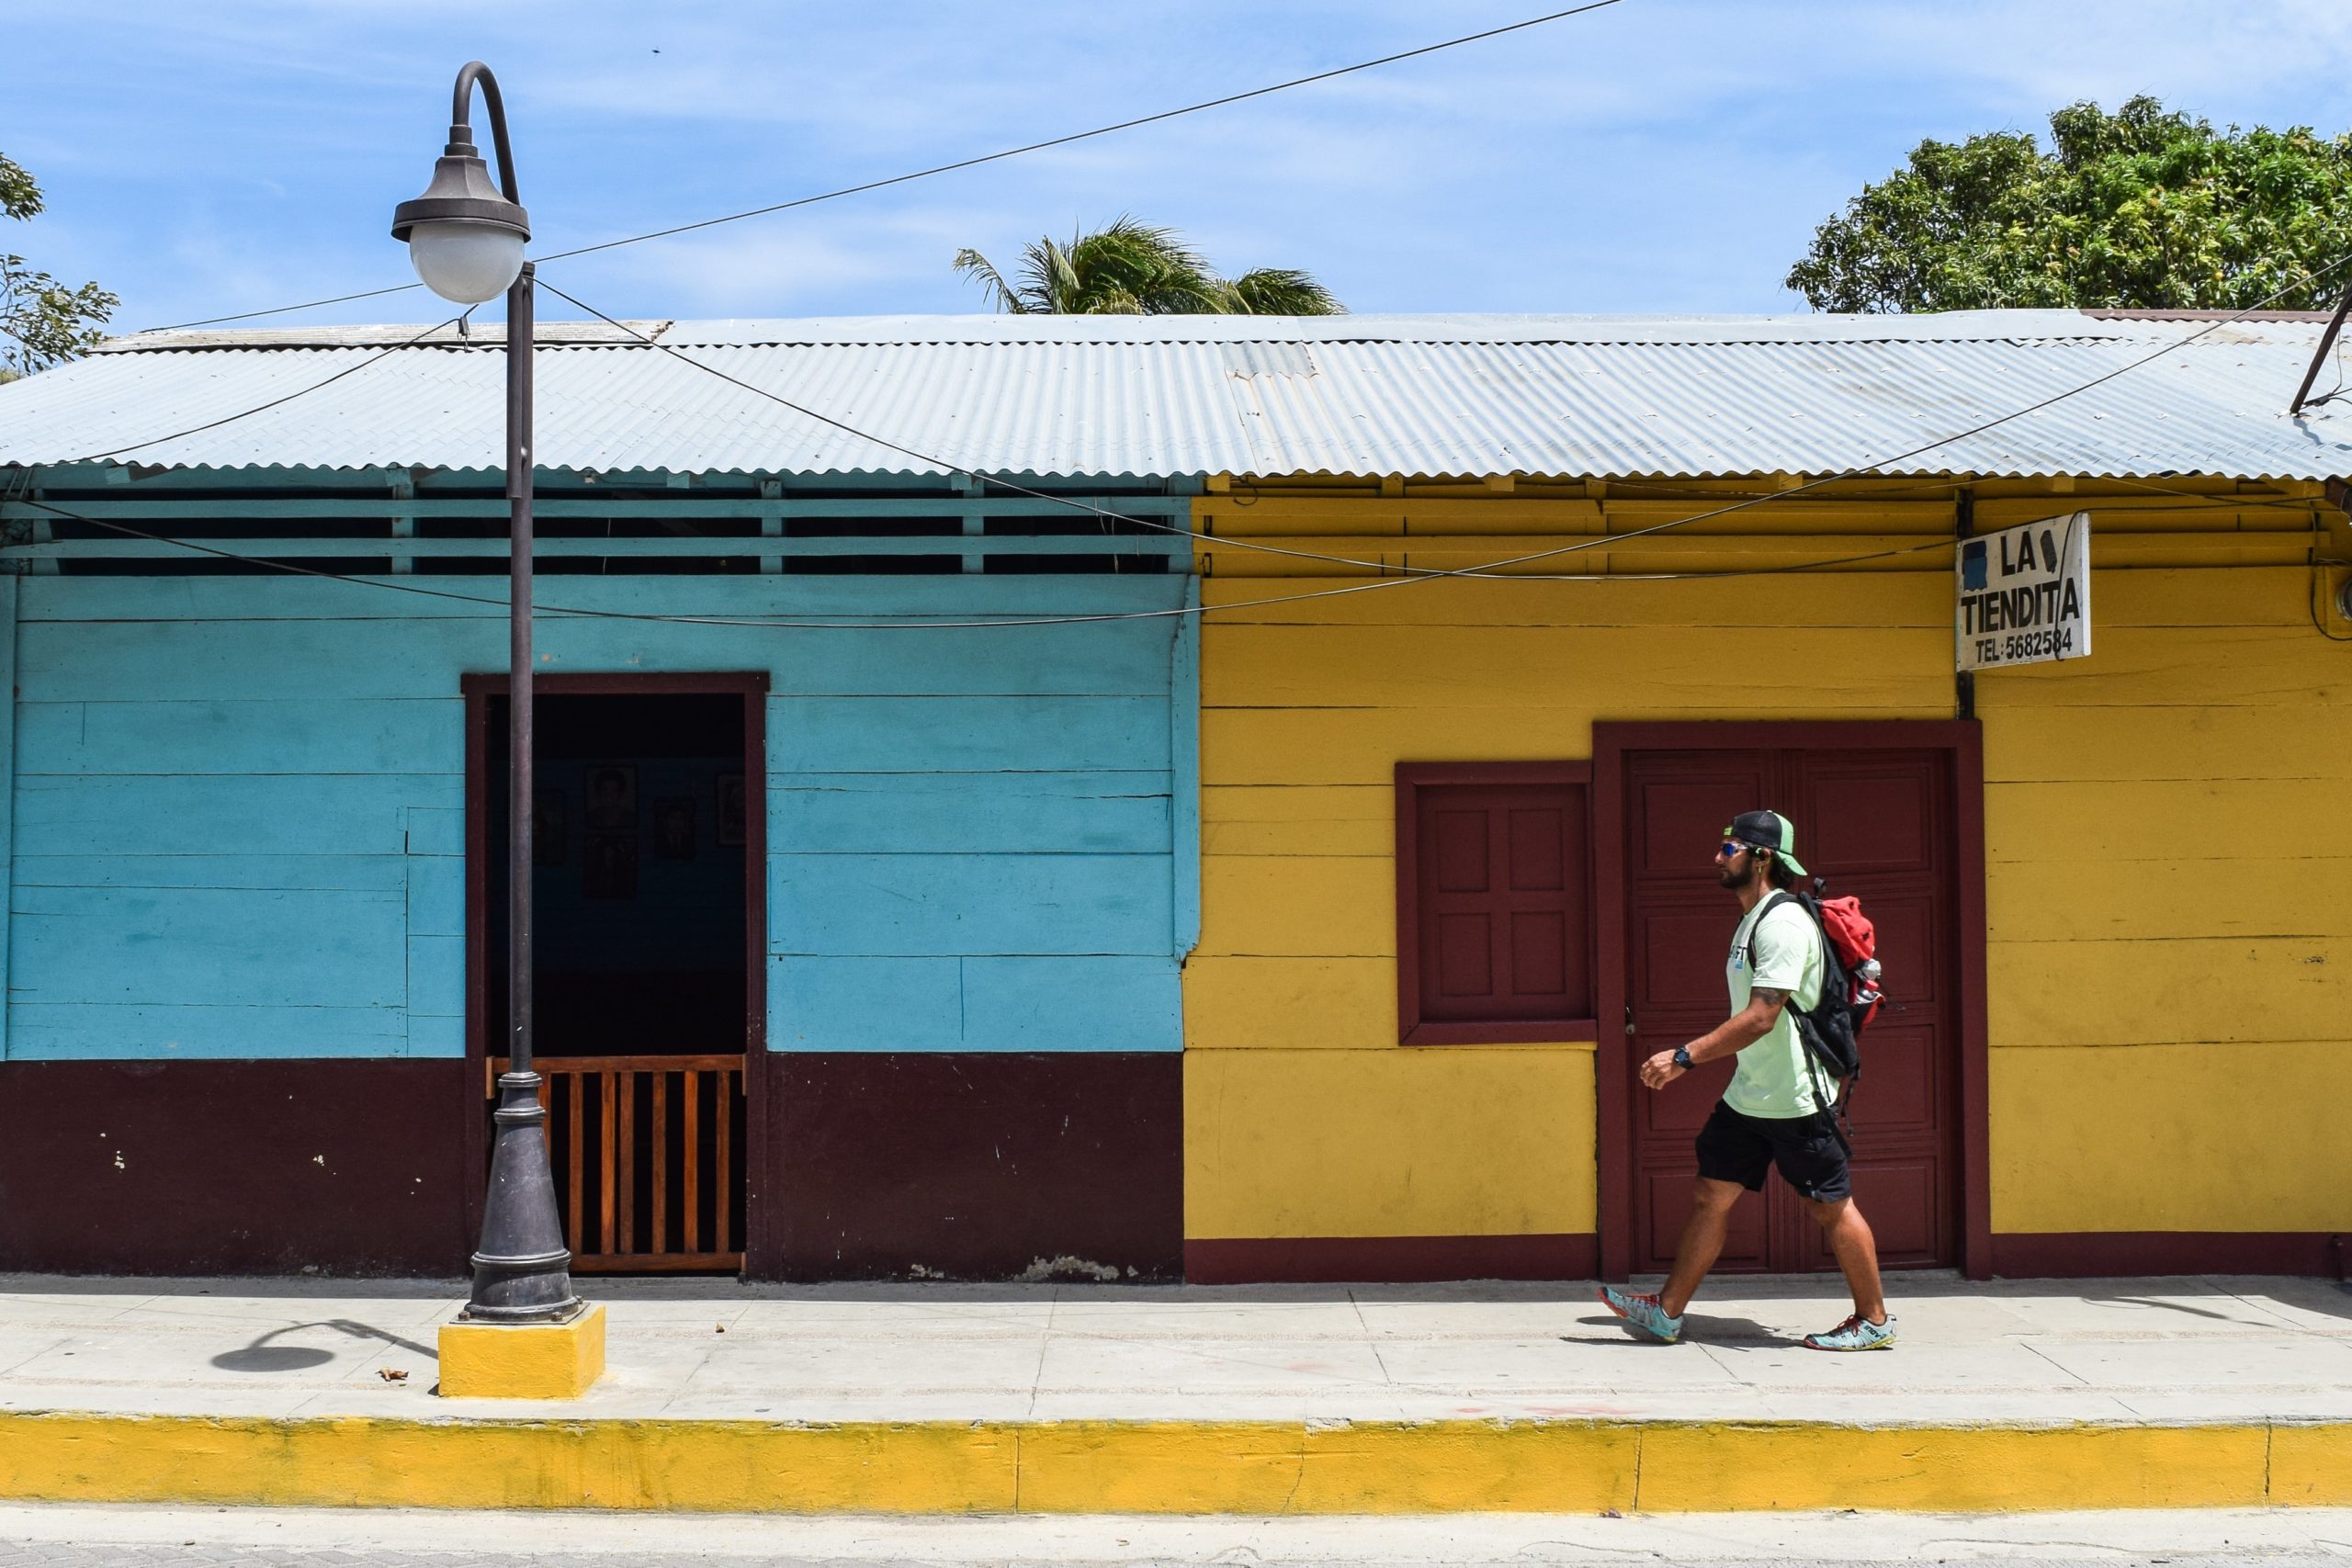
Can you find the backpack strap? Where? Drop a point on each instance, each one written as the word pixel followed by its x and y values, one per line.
pixel 1834 1105
pixel 1770 904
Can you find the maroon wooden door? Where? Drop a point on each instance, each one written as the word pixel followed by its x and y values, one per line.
pixel 1879 824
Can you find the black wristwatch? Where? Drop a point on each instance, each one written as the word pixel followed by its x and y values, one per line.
pixel 1682 1057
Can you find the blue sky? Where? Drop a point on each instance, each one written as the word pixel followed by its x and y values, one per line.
pixel 1661 156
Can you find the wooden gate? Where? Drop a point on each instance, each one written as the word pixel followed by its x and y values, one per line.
pixel 645 1153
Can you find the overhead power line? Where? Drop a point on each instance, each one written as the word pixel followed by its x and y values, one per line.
pixel 871 624
pixel 1099 131
pixel 1072 503
pixel 949 168
pixel 287 309
pixel 1497 569
pixel 274 402
pixel 1500 568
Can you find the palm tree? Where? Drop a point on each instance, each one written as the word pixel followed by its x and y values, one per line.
pixel 1281 291
pixel 1126 268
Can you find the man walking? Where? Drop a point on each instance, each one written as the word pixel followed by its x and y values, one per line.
pixel 1778 1109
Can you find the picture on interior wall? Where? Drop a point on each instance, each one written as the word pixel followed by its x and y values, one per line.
pixel 547 824
pixel 612 798
pixel 674 827
pixel 730 809
pixel 610 866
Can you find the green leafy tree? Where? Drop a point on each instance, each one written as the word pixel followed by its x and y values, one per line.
pixel 2140 209
pixel 1126 268
pixel 41 321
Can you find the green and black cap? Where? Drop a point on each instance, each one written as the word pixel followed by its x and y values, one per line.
pixel 1768 830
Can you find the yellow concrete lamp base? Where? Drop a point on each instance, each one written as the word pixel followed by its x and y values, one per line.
pixel 529 1360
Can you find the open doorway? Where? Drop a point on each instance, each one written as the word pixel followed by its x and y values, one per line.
pixel 648 940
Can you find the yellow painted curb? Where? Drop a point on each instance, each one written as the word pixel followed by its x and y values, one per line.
pixel 2311 1464
pixel 1171 1467
pixel 1712 1468
pixel 522 1361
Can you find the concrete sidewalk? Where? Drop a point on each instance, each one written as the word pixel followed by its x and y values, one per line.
pixel 64 1535
pixel 957 1398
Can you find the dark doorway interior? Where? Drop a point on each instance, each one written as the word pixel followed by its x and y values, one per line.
pixel 645 839
pixel 639 881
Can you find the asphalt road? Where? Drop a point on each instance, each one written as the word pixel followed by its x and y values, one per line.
pixel 63 1535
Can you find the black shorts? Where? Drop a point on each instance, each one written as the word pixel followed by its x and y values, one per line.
pixel 1734 1147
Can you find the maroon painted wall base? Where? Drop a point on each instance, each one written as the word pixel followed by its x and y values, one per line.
pixel 1390 1259
pixel 233 1167
pixel 2081 1255
pixel 972 1166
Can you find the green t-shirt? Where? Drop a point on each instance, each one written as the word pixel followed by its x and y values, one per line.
pixel 1771 1079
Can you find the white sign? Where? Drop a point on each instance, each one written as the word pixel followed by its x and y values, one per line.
pixel 2025 594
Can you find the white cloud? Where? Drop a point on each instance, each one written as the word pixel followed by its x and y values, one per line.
pixel 1662 153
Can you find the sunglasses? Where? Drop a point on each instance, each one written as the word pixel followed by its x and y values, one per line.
pixel 1732 849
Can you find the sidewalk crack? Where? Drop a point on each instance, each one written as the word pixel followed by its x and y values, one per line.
pixel 1370 1342
pixel 2038 1351
pixel 680 1391
pixel 64 1339
pixel 1641 1442
pixel 1726 1367
pixel 1037 1381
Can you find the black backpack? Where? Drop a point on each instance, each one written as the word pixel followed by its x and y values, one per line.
pixel 1831 1029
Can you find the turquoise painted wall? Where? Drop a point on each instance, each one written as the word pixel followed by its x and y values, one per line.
pixel 237 817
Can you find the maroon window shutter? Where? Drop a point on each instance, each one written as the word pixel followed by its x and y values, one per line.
pixel 1495 942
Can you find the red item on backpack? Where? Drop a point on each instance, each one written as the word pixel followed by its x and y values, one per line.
pixel 1854 940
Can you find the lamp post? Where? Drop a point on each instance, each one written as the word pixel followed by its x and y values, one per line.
pixel 466 237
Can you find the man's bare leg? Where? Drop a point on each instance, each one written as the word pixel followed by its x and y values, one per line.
pixel 1701 1243
pixel 1849 1237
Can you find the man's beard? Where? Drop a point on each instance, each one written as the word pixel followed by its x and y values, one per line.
pixel 1736 879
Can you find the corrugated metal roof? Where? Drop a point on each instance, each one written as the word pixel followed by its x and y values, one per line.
pixel 1432 395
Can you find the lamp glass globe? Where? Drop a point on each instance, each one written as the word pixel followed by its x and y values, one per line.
pixel 465 262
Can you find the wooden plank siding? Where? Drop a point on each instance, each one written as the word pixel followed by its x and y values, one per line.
pixel 236 831
pixel 2168 923
pixel 241 801
pixel 238 810
pixel 2164 902
pixel 7 790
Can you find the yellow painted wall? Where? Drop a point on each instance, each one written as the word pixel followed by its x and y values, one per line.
pixel 1308 1141
pixel 2170 911
pixel 2165 890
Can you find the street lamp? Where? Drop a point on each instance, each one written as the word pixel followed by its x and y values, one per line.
pixel 465 236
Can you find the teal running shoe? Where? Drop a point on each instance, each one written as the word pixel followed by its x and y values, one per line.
pixel 1642 1313
pixel 1856 1333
